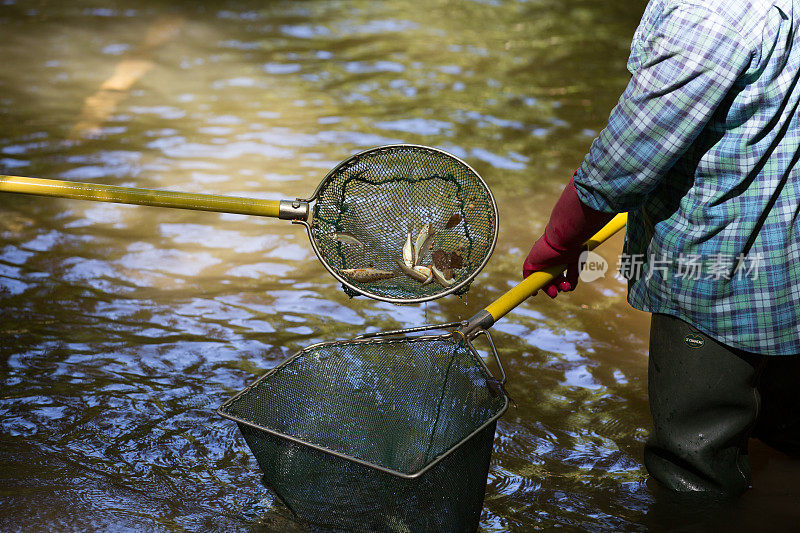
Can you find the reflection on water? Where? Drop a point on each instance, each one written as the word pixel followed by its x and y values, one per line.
pixel 98 107
pixel 123 328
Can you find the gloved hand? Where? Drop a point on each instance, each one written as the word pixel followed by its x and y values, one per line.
pixel 544 254
pixel 571 224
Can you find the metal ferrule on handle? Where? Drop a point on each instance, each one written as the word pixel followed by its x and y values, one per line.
pixel 285 209
pixel 486 317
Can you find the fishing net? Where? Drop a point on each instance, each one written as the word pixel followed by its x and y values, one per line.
pixel 366 208
pixel 388 434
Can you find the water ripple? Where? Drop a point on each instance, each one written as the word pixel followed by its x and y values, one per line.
pixel 124 327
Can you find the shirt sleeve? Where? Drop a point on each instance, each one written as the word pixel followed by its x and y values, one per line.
pixel 685 66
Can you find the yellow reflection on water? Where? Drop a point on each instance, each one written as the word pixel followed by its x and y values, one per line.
pixel 98 107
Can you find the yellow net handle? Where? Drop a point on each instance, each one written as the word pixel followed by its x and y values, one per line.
pixel 537 280
pixel 132 195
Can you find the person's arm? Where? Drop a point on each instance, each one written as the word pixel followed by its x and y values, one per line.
pixel 684 67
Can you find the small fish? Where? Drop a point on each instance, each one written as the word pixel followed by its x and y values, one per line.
pixel 426 246
pixel 453 221
pixel 367 275
pixel 423 238
pixel 408 251
pixel 346 238
pixel 425 271
pixel 411 272
pixel 440 278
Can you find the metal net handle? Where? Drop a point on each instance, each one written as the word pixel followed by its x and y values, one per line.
pixel 494 353
pixel 453 333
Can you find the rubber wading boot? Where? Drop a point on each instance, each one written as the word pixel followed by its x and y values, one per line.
pixel 704 405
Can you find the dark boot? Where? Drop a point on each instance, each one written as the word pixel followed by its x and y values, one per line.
pixel 704 404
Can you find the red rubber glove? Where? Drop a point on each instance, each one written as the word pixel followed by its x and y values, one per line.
pixel 571 224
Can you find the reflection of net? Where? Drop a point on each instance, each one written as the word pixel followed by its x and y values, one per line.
pixel 378 197
pixel 397 404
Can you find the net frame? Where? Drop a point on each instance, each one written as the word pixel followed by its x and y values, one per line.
pixel 378 290
pixel 377 339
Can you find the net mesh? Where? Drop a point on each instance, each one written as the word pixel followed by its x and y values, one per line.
pixel 367 207
pixel 413 406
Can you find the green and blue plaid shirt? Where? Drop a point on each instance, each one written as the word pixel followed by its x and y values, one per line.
pixel 702 151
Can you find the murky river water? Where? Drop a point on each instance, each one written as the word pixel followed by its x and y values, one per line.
pixel 123 328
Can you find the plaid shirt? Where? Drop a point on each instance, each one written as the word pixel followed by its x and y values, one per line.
pixel 702 151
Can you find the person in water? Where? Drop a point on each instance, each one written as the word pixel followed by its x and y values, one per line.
pixel 702 151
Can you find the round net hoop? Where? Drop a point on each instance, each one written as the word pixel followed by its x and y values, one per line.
pixel 372 205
